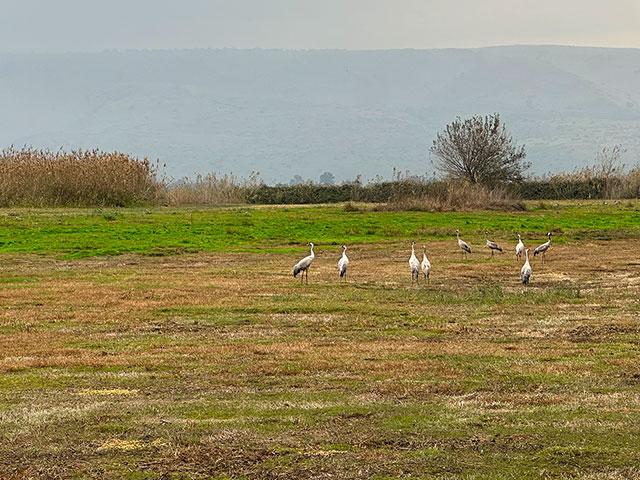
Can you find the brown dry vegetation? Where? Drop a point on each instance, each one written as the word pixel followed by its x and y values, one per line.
pixel 223 366
pixel 456 196
pixel 211 189
pixel 30 177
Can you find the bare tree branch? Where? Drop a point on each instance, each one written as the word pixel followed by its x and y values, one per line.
pixel 479 150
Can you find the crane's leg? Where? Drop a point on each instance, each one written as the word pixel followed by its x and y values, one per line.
pixel 492 252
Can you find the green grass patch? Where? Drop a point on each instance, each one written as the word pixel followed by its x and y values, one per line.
pixel 76 233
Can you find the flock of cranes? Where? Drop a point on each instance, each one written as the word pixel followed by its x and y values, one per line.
pixel 417 268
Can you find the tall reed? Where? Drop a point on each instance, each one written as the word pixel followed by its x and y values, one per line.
pixel 454 196
pixel 30 177
pixel 212 189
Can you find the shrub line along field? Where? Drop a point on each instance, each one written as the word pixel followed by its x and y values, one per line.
pixel 174 343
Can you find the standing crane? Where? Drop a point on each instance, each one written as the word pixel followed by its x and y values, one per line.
pixel 343 263
pixel 464 246
pixel 519 247
pixel 426 264
pixel 543 248
pixel 525 271
pixel 303 265
pixel 493 246
pixel 414 265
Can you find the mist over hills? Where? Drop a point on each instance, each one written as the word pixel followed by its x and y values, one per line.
pixel 284 113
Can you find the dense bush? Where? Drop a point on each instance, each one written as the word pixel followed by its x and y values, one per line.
pixel 557 187
pixel 583 184
pixel 349 192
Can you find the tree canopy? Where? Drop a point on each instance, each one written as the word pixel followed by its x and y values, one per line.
pixel 479 150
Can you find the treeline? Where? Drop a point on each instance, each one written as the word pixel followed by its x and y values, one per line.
pixel 37 178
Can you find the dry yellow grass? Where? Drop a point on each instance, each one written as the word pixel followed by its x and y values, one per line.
pixel 224 366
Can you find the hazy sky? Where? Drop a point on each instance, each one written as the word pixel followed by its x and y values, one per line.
pixel 87 25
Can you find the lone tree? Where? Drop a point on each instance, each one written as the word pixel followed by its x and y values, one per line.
pixel 296 180
pixel 479 150
pixel 327 178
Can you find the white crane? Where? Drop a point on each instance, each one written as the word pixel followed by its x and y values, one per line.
pixel 464 246
pixel 493 246
pixel 525 271
pixel 343 263
pixel 519 247
pixel 426 264
pixel 543 248
pixel 303 265
pixel 414 265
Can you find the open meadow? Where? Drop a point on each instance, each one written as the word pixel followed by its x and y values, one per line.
pixel 175 344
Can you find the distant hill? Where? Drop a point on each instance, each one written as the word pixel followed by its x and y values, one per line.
pixel 284 113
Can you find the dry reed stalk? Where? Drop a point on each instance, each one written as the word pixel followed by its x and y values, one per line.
pixel 456 196
pixel 30 177
pixel 211 189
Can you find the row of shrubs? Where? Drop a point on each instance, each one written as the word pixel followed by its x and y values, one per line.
pixel 570 186
pixel 560 187
pixel 30 177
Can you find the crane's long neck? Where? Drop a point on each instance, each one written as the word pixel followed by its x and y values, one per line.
pixel 526 256
pixel 312 254
pixel 413 250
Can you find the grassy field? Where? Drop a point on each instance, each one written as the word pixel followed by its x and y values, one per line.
pixel 174 344
pixel 72 233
